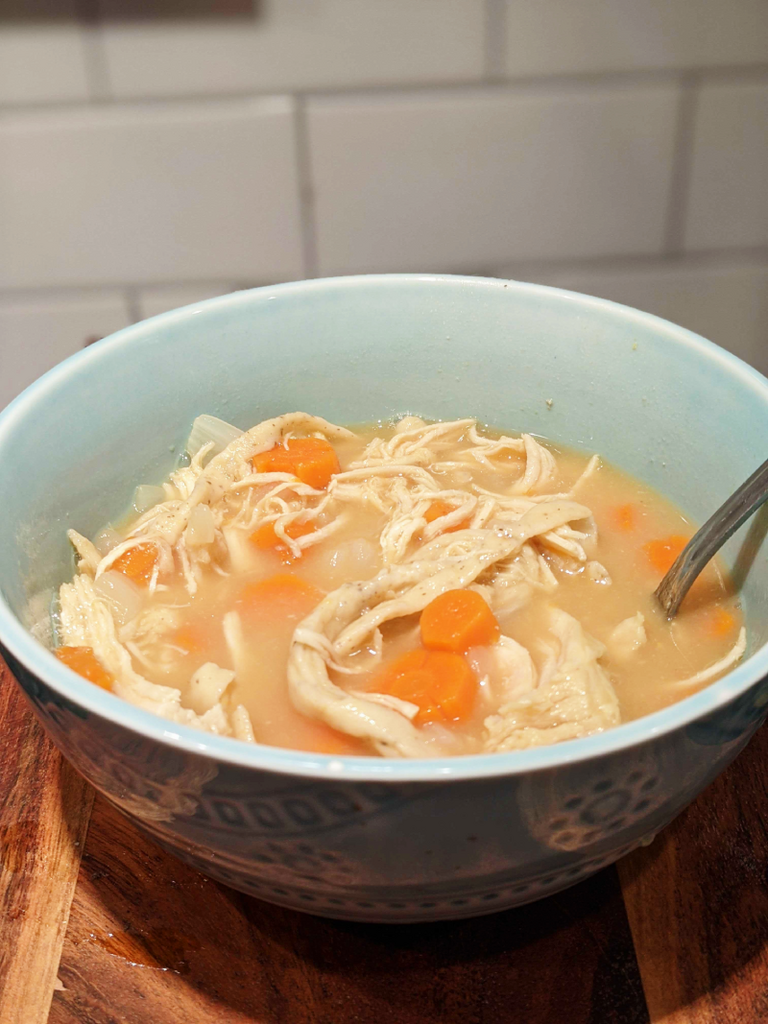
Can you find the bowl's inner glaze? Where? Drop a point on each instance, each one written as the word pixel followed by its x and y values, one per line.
pixel 676 412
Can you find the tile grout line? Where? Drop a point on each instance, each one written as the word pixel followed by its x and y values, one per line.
pixel 504 83
pixel 135 313
pixel 682 165
pixel 96 70
pixel 733 256
pixel 306 196
pixel 494 40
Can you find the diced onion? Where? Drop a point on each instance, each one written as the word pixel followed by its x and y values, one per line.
pixel 355 559
pixel 106 539
pixel 200 526
pixel 123 597
pixel 209 428
pixel 146 496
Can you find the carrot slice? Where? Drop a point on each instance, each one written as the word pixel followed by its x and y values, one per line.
pixel 281 596
pixel 458 620
pixel 624 517
pixel 440 508
pixel 83 661
pixel 662 553
pixel 189 638
pixel 312 459
pixel 440 682
pixel 266 537
pixel 719 621
pixel 137 563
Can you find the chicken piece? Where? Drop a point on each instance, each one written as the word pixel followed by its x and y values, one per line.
pixel 576 701
pixel 87 622
pixel 508 668
pixel 627 637
pixel 207 685
pixel 349 616
pixel 88 557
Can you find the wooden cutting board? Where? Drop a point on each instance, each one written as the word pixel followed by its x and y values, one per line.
pixel 100 926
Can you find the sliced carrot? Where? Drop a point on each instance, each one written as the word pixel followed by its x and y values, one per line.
pixel 440 682
pixel 83 661
pixel 440 508
pixel 281 596
pixel 662 553
pixel 189 638
pixel 312 459
pixel 458 620
pixel 266 538
pixel 719 621
pixel 625 517
pixel 137 563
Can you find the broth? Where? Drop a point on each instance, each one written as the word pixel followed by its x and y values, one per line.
pixel 233 588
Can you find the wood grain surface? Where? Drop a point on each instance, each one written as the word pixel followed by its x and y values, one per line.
pixel 678 935
pixel 697 901
pixel 44 812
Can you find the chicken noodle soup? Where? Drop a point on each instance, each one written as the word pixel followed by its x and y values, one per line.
pixel 419 589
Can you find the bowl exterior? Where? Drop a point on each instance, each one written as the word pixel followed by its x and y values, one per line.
pixel 397 852
pixel 669 407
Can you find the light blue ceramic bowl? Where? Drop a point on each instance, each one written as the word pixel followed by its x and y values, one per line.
pixel 384 840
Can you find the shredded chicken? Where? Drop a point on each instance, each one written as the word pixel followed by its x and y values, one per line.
pixel 734 655
pixel 627 637
pixel 507 544
pixel 576 701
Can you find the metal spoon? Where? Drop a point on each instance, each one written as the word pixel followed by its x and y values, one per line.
pixel 710 538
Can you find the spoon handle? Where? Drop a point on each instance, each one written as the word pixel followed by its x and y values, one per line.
pixel 710 538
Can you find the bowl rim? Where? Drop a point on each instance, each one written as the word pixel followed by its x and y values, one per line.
pixel 41 663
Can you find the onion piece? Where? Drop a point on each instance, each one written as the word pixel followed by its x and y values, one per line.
pixel 106 539
pixel 146 496
pixel 209 428
pixel 123 597
pixel 201 528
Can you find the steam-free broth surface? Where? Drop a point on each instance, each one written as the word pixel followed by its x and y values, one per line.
pixel 583 643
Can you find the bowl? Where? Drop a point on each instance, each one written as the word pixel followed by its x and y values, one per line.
pixel 367 838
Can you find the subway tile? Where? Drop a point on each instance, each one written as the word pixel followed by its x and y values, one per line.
pixel 153 301
pixel 42 63
pixel 726 303
pixel 463 179
pixel 295 44
pixel 35 334
pixel 145 194
pixel 553 37
pixel 728 204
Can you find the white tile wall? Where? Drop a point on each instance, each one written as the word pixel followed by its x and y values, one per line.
pixel 571 36
pixel 42 63
pixel 297 44
pixel 452 181
pixel 35 334
pixel 729 174
pixel 727 304
pixel 140 175
pixel 143 194
pixel 153 301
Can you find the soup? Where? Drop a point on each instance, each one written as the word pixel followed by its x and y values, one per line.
pixel 409 590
